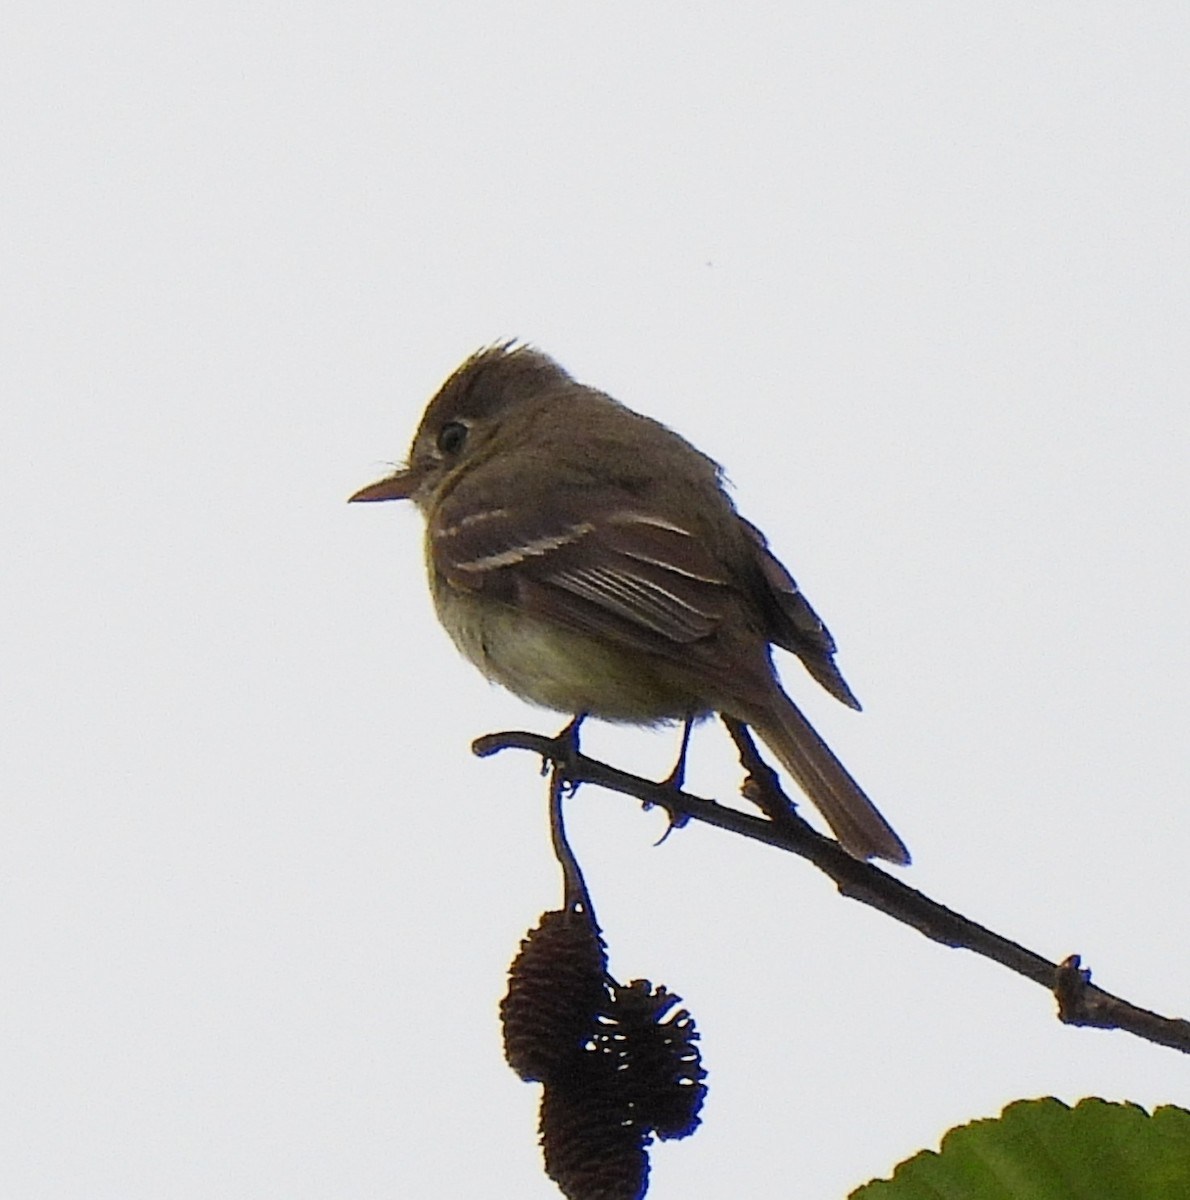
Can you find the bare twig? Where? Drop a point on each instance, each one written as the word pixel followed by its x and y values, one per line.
pixel 575 896
pixel 1079 1001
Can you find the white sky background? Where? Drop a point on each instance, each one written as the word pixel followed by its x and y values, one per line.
pixel 917 274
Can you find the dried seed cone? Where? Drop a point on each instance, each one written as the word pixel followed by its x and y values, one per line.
pixel 556 989
pixel 662 1070
pixel 593 1149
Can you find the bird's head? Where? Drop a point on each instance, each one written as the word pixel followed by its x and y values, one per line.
pixel 464 418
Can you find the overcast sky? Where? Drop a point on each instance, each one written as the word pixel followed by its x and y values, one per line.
pixel 917 274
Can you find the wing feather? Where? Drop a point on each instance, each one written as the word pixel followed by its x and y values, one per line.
pixel 792 623
pixel 619 572
pixel 633 576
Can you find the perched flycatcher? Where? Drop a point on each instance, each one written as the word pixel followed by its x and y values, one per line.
pixel 588 558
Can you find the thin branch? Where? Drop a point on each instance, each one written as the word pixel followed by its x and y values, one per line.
pixel 575 896
pixel 1079 1001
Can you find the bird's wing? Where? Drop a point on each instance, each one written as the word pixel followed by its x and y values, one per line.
pixel 791 623
pixel 612 569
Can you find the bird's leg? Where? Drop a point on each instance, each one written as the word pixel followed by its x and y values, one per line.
pixel 565 750
pixel 677 777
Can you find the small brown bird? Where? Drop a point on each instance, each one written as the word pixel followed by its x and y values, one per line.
pixel 588 558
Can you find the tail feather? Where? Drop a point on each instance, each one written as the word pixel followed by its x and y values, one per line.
pixel 856 821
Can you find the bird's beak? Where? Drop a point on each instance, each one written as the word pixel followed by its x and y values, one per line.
pixel 398 486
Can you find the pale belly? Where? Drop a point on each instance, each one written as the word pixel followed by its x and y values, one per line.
pixel 557 668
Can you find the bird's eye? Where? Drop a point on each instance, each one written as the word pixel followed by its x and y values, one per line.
pixel 451 437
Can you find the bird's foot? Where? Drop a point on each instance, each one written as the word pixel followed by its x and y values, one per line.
pixel 674 782
pixel 563 753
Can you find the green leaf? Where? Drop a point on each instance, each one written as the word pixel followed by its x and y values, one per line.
pixel 1045 1150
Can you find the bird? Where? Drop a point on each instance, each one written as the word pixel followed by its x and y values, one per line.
pixel 589 559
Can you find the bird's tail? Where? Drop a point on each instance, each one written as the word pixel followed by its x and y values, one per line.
pixel 856 821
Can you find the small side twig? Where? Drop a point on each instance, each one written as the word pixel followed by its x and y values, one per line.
pixel 1079 1001
pixel 575 896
